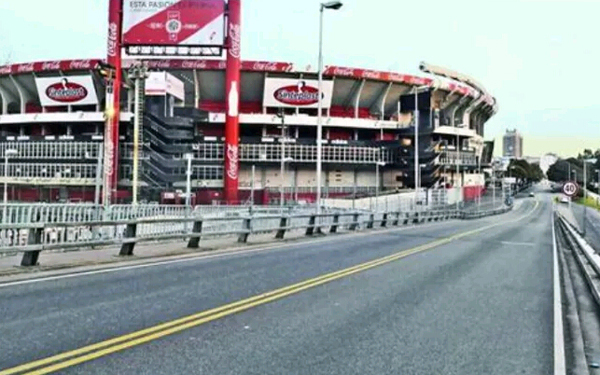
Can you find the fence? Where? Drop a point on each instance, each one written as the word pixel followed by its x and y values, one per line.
pixel 33 228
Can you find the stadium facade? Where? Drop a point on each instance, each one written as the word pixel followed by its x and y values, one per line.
pixel 52 119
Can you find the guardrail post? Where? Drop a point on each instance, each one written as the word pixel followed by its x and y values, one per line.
pixel 354 225
pixel 127 246
pixel 247 228
pixel 406 218
pixel 416 218
pixel 371 221
pixel 384 220
pixel 397 220
pixel 194 242
pixel 310 230
pixel 283 223
pixel 30 258
pixel 334 226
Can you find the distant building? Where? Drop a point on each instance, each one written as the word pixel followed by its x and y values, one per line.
pixel 512 144
pixel 532 159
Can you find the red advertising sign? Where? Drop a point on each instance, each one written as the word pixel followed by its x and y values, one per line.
pixel 174 23
pixel 299 95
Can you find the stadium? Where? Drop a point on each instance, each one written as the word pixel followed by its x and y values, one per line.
pixel 148 122
pixel 52 146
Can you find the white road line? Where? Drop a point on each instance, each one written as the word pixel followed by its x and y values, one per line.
pixel 559 341
pixel 517 243
pixel 223 253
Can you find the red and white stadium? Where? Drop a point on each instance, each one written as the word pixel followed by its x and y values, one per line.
pixel 57 119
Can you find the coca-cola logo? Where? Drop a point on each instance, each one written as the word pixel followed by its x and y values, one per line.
pixel 112 39
pixel 187 64
pixel 299 95
pixel 371 74
pixel 25 68
pixel 80 64
pixel 6 69
pixel 234 40
pixel 159 64
pixel 232 161
pixel 343 72
pixel 265 66
pixel 66 92
pixel 51 65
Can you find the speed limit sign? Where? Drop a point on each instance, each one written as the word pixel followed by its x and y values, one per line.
pixel 570 188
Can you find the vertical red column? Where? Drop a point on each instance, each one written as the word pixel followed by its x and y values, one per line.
pixel 232 92
pixel 111 131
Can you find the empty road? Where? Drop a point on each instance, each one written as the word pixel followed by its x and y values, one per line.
pixel 456 297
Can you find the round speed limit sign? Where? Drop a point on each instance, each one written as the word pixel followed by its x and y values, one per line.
pixel 570 188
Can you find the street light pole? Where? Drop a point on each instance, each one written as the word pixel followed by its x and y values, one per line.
pixel 139 74
pixel 335 5
pixel 281 115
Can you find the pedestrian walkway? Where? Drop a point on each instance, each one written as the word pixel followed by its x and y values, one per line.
pixel 49 260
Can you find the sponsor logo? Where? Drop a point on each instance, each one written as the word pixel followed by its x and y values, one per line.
pixel 112 39
pixel 25 68
pixel 234 40
pixel 159 64
pixel 66 92
pixel 299 95
pixel 232 161
pixel 187 64
pixel 51 65
pixel 343 72
pixel 80 64
pixel 371 74
pixel 6 69
pixel 266 66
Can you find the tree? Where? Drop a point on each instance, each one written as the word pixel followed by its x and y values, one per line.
pixel 524 171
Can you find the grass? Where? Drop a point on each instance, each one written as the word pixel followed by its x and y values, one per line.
pixel 590 202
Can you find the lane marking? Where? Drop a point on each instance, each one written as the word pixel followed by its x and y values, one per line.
pixel 517 243
pixel 559 340
pixel 103 348
pixel 221 254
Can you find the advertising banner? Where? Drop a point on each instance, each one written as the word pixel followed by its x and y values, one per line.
pixel 162 83
pixel 62 91
pixel 181 23
pixel 288 92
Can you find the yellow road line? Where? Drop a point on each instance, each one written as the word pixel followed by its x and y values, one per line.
pixel 103 348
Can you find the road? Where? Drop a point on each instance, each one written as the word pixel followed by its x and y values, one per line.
pixel 459 297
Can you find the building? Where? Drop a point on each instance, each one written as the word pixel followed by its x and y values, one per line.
pixel 52 119
pixel 547 161
pixel 512 144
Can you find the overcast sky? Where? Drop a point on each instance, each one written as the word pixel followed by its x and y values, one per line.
pixel 536 57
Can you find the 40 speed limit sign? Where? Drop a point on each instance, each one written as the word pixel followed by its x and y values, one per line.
pixel 570 188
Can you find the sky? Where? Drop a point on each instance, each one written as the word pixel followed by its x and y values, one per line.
pixel 536 57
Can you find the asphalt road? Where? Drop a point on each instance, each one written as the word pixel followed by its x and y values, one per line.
pixel 478 303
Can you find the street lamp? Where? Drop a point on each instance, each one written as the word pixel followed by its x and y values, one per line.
pixel 7 153
pixel 281 115
pixel 416 91
pixel 334 5
pixel 377 165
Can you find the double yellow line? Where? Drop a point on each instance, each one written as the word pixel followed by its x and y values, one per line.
pixel 103 348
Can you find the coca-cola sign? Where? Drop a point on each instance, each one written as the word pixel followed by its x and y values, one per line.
pixel 113 31
pixel 7 69
pixel 297 96
pixel 51 65
pixel 73 90
pixel 234 40
pixel 232 161
pixel 80 64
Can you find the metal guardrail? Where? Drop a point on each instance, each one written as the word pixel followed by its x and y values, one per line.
pixel 467 215
pixel 41 236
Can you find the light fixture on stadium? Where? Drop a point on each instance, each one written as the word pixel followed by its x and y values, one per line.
pixel 106 70
pixel 332 5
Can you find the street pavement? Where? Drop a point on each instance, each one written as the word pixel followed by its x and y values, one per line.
pixel 470 303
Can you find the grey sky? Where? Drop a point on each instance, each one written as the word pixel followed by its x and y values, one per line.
pixel 535 56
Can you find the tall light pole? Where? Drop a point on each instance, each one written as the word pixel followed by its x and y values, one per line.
pixel 188 181
pixel 7 154
pixel 138 74
pixel 335 5
pixel 281 115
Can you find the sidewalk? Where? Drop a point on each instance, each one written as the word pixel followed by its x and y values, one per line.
pixel 144 252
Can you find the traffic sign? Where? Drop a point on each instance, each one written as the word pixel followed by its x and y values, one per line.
pixel 570 188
